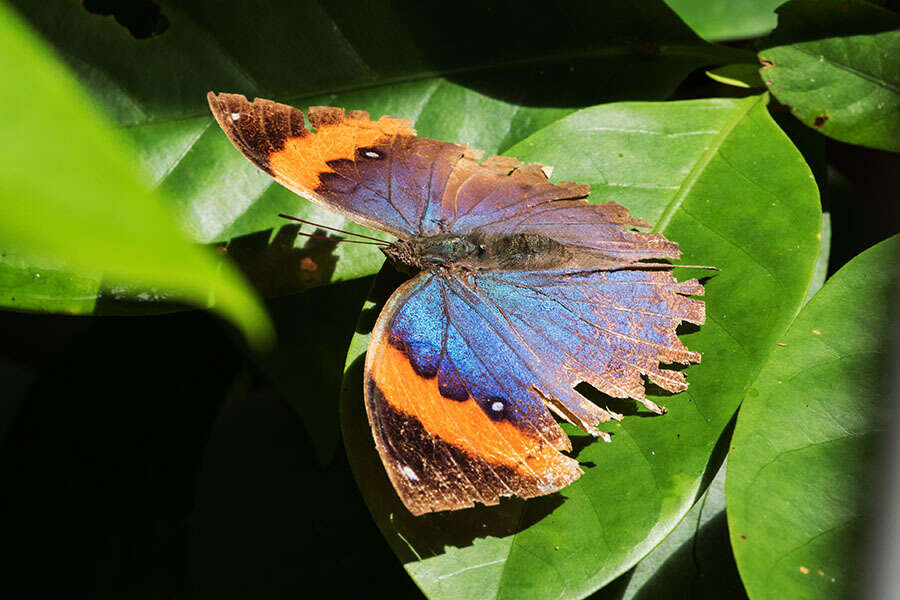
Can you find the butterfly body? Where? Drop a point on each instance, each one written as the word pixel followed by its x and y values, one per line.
pixel 519 290
pixel 476 251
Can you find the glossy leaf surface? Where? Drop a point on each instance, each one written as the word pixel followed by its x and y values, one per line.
pixel 693 562
pixel 716 21
pixel 841 72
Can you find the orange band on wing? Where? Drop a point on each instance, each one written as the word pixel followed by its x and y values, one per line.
pixel 304 159
pixel 462 423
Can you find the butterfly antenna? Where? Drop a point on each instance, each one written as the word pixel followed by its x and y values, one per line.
pixel 638 266
pixel 299 220
pixel 337 240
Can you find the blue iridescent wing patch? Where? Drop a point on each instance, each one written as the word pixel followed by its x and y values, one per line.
pixel 454 404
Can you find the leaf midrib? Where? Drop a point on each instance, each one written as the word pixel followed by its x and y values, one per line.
pixel 700 166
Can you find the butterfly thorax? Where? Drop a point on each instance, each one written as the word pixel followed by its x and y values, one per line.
pixel 478 251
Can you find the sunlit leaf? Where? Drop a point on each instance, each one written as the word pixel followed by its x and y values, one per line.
pixel 845 85
pixel 717 21
pixel 75 209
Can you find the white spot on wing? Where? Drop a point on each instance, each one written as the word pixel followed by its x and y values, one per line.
pixel 371 154
pixel 410 474
pixel 235 116
pixel 497 406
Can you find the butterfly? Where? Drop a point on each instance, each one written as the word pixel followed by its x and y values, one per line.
pixel 521 289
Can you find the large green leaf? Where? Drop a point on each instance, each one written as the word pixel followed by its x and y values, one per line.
pixel 695 560
pixel 734 19
pixel 504 76
pixel 75 210
pixel 805 438
pixel 846 86
pixel 719 177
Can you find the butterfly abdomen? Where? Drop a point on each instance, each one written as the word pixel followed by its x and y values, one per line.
pixel 525 251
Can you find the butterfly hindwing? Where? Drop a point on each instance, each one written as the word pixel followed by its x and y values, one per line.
pixel 453 412
pixel 606 328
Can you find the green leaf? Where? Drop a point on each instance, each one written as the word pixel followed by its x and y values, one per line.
pixel 719 177
pixel 806 433
pixel 504 76
pixel 738 75
pixel 693 562
pixel 718 21
pixel 846 87
pixel 807 20
pixel 75 210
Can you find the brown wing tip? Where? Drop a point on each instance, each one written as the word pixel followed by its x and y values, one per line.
pixel 259 128
pixel 220 103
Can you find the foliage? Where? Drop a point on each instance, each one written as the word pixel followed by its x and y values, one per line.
pixel 122 197
pixel 74 216
pixel 797 494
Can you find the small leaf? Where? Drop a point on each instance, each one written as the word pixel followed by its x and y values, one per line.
pixel 719 177
pixel 845 87
pixel 805 439
pixel 75 211
pixel 738 75
pixel 821 271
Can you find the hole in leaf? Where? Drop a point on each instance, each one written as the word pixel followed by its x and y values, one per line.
pixel 142 18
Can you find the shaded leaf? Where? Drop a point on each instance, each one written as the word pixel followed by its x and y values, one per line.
pixel 798 475
pixel 307 49
pixel 268 518
pixel 504 78
pixel 73 204
pixel 846 87
pixel 808 20
pixel 719 177
pixel 314 330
